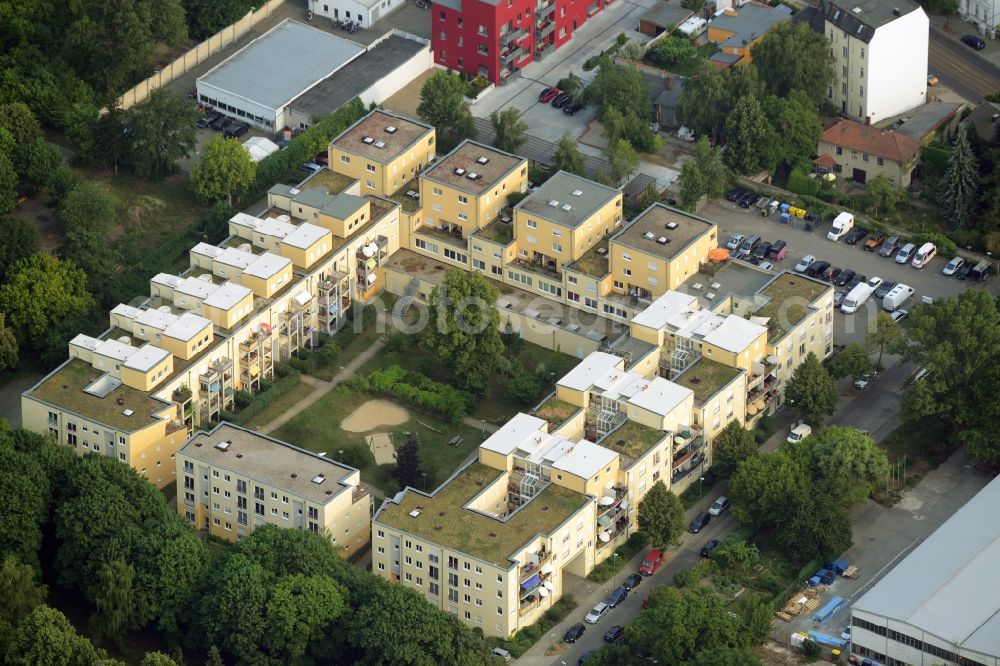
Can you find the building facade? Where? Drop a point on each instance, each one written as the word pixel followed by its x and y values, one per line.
pixel 495 39
pixel 879 54
pixel 861 152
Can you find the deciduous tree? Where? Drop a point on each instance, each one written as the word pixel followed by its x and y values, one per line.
pixel 225 169
pixel 300 612
pixel 47 637
pixel 681 624
pixel 847 464
pixel 9 353
pixel 884 335
pixel 812 391
pixel 622 158
pixel 18 119
pixel 8 185
pixel 796 126
pixel 567 156
pixel 21 595
pixel 701 106
pixel 463 330
pixel 89 214
pixel 852 361
pixel 661 516
pixel 36 161
pixel 118 606
pixel 794 57
pixel 732 446
pixel 671 50
pixel 510 130
pixel 442 104
pixel 18 240
pixel 41 291
pixel 163 131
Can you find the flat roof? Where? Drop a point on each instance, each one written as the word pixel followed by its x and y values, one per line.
pixel 791 295
pixel 505 440
pixel 737 278
pixel 357 76
pixel 375 126
pixel 306 235
pixel 666 15
pixel 271 461
pixel 592 368
pixel 465 158
pixel 441 517
pixel 186 326
pixel 584 459
pixel 660 396
pixel 343 205
pixel 146 358
pixel 227 296
pixel 646 231
pixel 236 258
pixel 660 312
pixel 567 199
pixel 196 287
pixel 267 265
pixel 927 119
pixel 706 377
pixel 750 23
pixel 281 64
pixel 734 333
pixel 949 585
pixel 64 388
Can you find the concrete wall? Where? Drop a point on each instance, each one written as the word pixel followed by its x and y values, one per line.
pixel 197 55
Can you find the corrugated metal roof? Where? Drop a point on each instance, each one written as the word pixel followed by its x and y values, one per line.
pixel 281 64
pixel 949 586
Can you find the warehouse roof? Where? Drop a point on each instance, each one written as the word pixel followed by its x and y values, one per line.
pixel 567 199
pixel 949 585
pixel 380 60
pixel 281 64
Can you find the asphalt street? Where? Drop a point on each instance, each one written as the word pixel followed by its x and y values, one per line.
pixel 959 67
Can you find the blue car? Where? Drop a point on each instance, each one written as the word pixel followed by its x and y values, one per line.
pixel 617 596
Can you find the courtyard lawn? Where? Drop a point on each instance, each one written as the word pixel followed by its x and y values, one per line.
pixel 318 429
pixel 279 406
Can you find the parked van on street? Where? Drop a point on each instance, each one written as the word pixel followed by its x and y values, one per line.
pixel 924 255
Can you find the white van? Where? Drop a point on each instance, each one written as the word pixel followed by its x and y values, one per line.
pixel 798 433
pixel 856 298
pixel 896 297
pixel 843 223
pixel 924 255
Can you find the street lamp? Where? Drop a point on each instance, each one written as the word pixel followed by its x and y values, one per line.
pixel 423 484
pixel 701 490
pixel 614 575
pixel 340 455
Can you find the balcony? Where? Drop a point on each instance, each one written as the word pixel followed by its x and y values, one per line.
pixel 453 235
pixel 607 537
pixel 531 568
pixel 690 437
pixel 544 29
pixel 545 10
pixel 541 264
pixel 358 494
pixel 512 37
pixel 175 426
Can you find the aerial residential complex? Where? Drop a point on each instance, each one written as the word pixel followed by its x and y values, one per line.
pixel 679 342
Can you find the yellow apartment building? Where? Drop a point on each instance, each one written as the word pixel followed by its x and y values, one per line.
pixel 384 152
pixel 232 480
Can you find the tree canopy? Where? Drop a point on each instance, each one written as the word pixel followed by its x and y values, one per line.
pixel 510 130
pixel 852 361
pixel 732 446
pixel 89 214
pixel 705 175
pixel 225 169
pixel 443 105
pixel 162 132
pixel 795 58
pixel 748 136
pixel 567 156
pixel 661 516
pixel 811 391
pixel 884 336
pixel 959 195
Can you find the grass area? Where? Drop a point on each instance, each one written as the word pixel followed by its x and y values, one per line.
pixel 498 232
pixel 914 449
pixel 633 439
pixel 593 262
pixel 442 519
pixel 409 204
pixel 333 182
pixel 318 429
pixel 706 377
pixel 790 298
pixel 441 235
pixel 556 411
pixel 688 66
pixel 279 406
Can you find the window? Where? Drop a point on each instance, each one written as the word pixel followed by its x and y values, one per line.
pixel 532 224
pixel 482 31
pixel 549 289
pixel 434 588
pixel 441 16
pixel 864 157
pixel 463 217
pixel 839 150
pixel 612 310
pixel 497 270
pixel 861 91
pixel 345 159
pixel 590 302
pixel 573 296
pixel 370 184
pixel 370 168
pixel 571 279
pixel 455 256
pixel 437 191
pixel 479 264
pixel 424 245
pixel 462 199
pixel 619 284
pixel 557 234
pixel 626 271
pixel 517 277
pixel 880 161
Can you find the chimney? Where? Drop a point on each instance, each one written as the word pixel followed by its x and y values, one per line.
pixel 668 83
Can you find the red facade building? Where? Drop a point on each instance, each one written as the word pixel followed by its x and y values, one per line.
pixel 496 38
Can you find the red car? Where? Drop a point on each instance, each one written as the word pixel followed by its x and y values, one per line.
pixel 651 562
pixel 548 95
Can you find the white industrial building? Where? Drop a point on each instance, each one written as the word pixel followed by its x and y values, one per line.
pixel 879 52
pixel 941 603
pixel 294 72
pixel 984 14
pixel 363 12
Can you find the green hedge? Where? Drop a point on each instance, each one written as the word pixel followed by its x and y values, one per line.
pixel 945 246
pixel 801 183
pixel 524 639
pixel 420 391
pixel 289 378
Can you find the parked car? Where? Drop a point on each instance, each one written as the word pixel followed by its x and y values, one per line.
pixel 614 634
pixel 632 582
pixel 875 241
pixel 778 250
pixel 236 130
pixel 548 95
pixel 618 595
pixel 503 654
pixel 899 315
pixel 855 281
pixel 596 613
pixel 221 123
pixel 844 277
pixel 952 266
pixel 735 195
pixel 310 167
pixel 856 236
pixel 846 633
pixel 818 268
pixel 707 549
pixel 804 263
pixel 864 380
pixel 932 80
pixel 559 100
pixel 206 120
pixel 831 272
pixel 974 42
pixel 884 289
pixel 734 241
pixel 574 633
pixel 838 298
pixel 906 253
pixel 889 246
pixel 964 272
pixel 874 282
pixel 699 523
pixel 719 505
pixel 798 433
pixel 570 108
pixel 761 251
pixel 652 562
pixel 748 199
pixel 584 657
pixel 766 265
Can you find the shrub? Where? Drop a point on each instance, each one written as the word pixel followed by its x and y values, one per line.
pixel 810 648
pixel 801 183
pixel 524 639
pixel 967 238
pixel 289 378
pixel 421 391
pixel 759 435
pixel 945 246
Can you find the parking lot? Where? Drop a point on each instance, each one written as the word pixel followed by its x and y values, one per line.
pixel 847 328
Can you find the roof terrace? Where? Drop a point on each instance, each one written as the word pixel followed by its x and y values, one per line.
pixel 706 377
pixel 791 297
pixel 593 262
pixel 632 439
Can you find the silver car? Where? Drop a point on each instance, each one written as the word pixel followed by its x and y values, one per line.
pixel 953 266
pixel 906 253
pixel 734 241
pixel 804 263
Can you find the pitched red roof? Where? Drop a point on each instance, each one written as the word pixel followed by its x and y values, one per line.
pixel 865 138
pixel 825 161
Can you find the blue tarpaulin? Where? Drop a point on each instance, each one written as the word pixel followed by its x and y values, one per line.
pixel 837 566
pixel 531 582
pixel 831 607
pixel 826 639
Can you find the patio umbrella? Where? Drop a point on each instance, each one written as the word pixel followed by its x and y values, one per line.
pixel 718 254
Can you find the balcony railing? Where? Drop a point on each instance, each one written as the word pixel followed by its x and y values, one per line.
pixel 512 36
pixel 532 568
pixel 545 10
pixel 359 493
pixel 686 438
pixel 544 29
